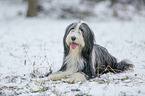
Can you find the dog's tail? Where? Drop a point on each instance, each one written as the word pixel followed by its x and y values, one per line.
pixel 123 65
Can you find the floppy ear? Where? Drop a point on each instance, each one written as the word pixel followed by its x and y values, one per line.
pixel 88 39
pixel 68 29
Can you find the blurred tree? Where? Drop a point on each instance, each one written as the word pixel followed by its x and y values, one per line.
pixel 144 1
pixel 113 2
pixel 32 8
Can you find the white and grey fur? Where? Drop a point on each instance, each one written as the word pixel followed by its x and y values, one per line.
pixel 88 59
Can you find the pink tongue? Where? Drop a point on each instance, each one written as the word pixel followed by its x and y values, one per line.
pixel 73 45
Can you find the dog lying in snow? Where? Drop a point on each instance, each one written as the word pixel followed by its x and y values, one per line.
pixel 83 59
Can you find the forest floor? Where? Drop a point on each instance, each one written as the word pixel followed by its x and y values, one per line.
pixel 31 46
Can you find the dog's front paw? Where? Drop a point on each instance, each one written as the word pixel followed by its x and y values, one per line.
pixel 77 77
pixel 56 76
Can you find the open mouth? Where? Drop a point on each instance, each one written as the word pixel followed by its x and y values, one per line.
pixel 73 45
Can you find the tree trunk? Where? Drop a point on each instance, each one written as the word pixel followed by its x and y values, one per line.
pixel 32 8
pixel 113 2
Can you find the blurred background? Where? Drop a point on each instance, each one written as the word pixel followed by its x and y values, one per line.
pixel 75 9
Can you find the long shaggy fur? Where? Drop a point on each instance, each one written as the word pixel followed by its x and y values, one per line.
pixel 88 59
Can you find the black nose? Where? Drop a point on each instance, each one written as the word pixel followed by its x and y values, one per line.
pixel 73 38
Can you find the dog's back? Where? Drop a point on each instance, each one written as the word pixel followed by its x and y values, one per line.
pixel 105 62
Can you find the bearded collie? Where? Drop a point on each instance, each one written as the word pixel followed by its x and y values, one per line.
pixel 83 59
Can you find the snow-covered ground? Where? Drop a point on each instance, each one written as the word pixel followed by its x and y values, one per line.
pixel 34 46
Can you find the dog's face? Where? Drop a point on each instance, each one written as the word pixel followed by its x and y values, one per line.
pixel 75 38
pixel 78 35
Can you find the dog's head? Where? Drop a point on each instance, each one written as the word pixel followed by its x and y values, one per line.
pixel 78 35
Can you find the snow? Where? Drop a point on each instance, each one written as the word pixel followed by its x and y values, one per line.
pixel 33 45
